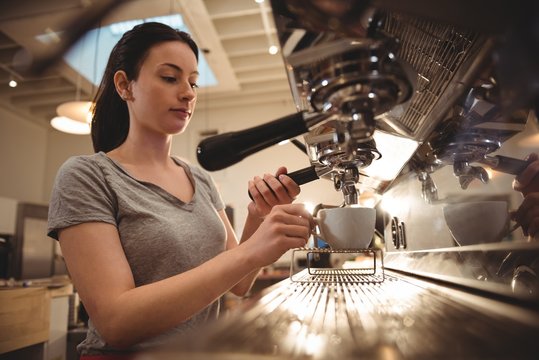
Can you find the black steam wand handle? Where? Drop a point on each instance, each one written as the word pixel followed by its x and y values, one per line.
pixel 301 176
pixel 506 164
pixel 221 151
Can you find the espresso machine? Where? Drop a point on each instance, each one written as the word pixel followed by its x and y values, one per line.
pixel 454 86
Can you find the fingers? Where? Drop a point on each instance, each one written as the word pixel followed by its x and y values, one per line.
pixel 295 219
pixel 286 227
pixel 524 182
pixel 261 205
pixel 297 210
pixel 529 221
pixel 291 187
pixel 272 191
pixel 281 171
pixel 533 227
pixel 530 201
pixel 278 188
pixel 527 215
pixel 269 191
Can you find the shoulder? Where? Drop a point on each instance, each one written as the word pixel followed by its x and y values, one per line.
pixel 82 166
pixel 80 162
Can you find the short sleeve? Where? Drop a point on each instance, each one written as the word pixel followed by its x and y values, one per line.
pixel 80 194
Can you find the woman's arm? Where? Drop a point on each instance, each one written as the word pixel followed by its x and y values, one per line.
pixel 125 315
pixel 266 192
pixel 243 286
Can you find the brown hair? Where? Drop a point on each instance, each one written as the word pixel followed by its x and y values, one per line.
pixel 110 121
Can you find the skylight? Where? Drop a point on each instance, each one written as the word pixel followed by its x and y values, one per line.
pixel 90 54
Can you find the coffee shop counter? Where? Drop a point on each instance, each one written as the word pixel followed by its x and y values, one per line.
pixel 34 318
pixel 382 316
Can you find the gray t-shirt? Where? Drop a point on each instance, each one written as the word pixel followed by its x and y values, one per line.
pixel 161 235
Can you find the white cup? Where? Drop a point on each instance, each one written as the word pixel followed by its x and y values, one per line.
pixel 347 227
pixel 477 222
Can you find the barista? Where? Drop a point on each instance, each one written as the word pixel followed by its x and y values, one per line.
pixel 144 234
pixel 527 182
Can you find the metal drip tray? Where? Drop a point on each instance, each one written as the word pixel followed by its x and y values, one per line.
pixel 370 270
pixel 343 276
pixel 399 318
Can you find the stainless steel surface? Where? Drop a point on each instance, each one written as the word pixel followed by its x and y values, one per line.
pixel 400 318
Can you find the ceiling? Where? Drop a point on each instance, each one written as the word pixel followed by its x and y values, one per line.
pixel 235 35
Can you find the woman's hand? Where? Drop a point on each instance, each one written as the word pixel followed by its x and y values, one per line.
pixel 270 191
pixel 527 215
pixel 527 182
pixel 285 227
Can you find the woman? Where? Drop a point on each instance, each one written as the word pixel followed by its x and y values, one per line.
pixel 527 182
pixel 144 235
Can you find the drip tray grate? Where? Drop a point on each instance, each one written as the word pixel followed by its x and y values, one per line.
pixel 348 266
pixel 337 276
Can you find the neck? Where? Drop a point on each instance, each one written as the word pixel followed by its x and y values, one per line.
pixel 144 150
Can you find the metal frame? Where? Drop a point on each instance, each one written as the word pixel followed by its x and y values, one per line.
pixel 374 274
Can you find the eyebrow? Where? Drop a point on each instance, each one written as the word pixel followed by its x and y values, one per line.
pixel 176 67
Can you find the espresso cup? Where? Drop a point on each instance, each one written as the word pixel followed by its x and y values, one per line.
pixel 347 227
pixel 477 222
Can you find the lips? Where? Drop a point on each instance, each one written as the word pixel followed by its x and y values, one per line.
pixel 181 112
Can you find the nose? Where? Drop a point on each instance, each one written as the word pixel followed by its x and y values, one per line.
pixel 187 92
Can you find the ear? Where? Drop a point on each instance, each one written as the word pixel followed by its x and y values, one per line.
pixel 121 83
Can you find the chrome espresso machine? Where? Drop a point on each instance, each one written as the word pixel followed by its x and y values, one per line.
pixel 431 109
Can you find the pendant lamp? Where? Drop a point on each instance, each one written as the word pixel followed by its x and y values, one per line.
pixel 74 117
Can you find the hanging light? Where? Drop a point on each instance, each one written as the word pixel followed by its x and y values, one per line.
pixel 70 126
pixel 74 117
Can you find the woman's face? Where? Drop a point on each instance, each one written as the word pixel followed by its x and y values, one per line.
pixel 164 95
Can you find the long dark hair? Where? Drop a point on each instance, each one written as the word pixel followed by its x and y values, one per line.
pixel 110 121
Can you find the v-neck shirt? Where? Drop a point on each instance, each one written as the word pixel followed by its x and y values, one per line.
pixel 161 235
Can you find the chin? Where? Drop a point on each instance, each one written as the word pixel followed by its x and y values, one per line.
pixel 177 130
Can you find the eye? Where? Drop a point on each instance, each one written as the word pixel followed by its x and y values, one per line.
pixel 194 86
pixel 169 79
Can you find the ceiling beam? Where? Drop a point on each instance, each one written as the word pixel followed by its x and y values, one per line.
pixel 247 100
pixel 53 98
pixel 234 14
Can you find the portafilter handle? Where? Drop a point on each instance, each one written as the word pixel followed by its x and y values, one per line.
pixel 505 164
pixel 303 176
pixel 221 151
